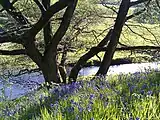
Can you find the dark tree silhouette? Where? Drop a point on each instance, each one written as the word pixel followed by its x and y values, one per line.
pixel 47 60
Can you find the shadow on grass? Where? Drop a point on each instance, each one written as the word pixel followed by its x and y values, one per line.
pixel 138 83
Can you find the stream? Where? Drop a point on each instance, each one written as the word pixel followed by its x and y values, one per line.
pixel 15 87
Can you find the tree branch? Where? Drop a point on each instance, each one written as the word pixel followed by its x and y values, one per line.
pixel 127 48
pixel 61 4
pixel 63 26
pixel 92 52
pixel 158 4
pixel 40 5
pixel 13 52
pixel 138 2
pixel 137 47
pixel 47 30
pixel 135 14
pixel 9 38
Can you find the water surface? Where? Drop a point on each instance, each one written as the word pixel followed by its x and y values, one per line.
pixel 18 86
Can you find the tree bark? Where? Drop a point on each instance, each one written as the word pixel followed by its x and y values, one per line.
pixel 50 69
pixel 92 52
pixel 120 20
pixel 61 67
pixel 47 31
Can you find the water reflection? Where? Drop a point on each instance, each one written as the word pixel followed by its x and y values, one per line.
pixel 18 86
pixel 125 68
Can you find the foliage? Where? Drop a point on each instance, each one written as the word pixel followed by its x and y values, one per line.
pixel 87 33
pixel 131 96
pixel 151 15
pixel 84 18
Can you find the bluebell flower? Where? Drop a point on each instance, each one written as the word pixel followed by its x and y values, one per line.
pixel 149 92
pixel 90 102
pixel 91 96
pixel 80 108
pixel 92 119
pixel 73 102
pixel 101 96
pixel 144 86
pixel 137 118
pixel 129 84
pixel 142 92
pixel 89 108
pixel 70 109
pixel 130 118
pixel 131 88
pixel 55 105
pixel 51 105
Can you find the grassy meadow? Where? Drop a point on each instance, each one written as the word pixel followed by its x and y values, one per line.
pixel 133 34
pixel 119 97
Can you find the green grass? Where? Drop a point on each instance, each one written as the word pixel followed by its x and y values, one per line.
pixel 87 40
pixel 136 35
pixel 121 97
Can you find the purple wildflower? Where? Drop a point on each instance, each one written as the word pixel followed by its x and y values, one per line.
pixel 149 92
pixel 131 88
pixel 73 102
pixel 130 118
pixel 101 96
pixel 71 109
pixel 51 105
pixel 144 86
pixel 80 108
pixel 89 108
pixel 91 96
pixel 92 119
pixel 137 118
pixel 142 92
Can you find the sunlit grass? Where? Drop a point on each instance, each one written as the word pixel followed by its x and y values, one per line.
pixel 131 96
pixel 121 97
pixel 136 35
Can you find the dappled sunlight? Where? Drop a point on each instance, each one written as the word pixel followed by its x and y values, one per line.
pixel 129 96
pixel 51 51
pixel 125 68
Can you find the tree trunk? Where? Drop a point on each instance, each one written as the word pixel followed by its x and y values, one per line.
pixel 61 67
pixel 63 73
pixel 120 20
pixel 81 62
pixel 50 69
pixel 47 31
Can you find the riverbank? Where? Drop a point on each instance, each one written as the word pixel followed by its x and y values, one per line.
pixel 118 61
pixel 17 86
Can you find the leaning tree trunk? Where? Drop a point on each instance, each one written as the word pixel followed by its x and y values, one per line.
pixel 92 52
pixel 120 20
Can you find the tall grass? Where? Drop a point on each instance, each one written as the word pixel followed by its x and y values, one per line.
pixel 119 97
